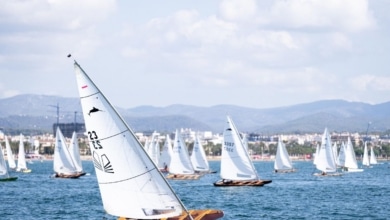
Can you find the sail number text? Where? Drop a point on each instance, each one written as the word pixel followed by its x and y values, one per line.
pixel 94 140
pixel 229 146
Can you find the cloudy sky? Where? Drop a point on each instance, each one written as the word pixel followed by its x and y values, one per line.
pixel 259 54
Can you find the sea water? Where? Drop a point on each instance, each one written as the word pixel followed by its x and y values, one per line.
pixel 299 195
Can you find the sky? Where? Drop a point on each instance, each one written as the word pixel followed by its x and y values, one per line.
pixel 258 54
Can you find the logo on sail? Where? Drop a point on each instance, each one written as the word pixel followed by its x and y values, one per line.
pixel 93 110
pixel 102 163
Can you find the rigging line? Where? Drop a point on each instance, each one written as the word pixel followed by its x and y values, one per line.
pixel 148 171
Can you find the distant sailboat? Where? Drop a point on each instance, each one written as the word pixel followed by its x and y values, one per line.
pixel 166 155
pixel 373 160
pixel 198 157
pixel 341 156
pixel 366 159
pixel 74 151
pixel 237 168
pixel 10 155
pixel 316 154
pixel 22 165
pixel 350 159
pixel 4 175
pixel 180 166
pixel 63 164
pixel 153 148
pixel 282 162
pixel 326 162
pixel 131 186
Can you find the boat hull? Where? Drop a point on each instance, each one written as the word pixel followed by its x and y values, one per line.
pixel 242 182
pixel 202 214
pixel 69 176
pixel 8 179
pixel 286 171
pixel 183 176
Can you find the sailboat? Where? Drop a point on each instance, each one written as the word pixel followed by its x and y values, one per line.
pixel 131 186
pixel 282 162
pixel 22 165
pixel 316 154
pixel 198 158
pixel 63 164
pixel 373 160
pixel 325 161
pixel 180 166
pixel 74 151
pixel 341 156
pixel 166 155
pixel 153 148
pixel 366 159
pixel 237 168
pixel 350 158
pixel 4 174
pixel 10 155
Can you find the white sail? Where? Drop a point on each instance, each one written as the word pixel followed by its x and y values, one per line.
pixel 341 156
pixel 235 161
pixel 198 157
pixel 335 155
pixel 180 160
pixel 373 157
pixel 316 154
pixel 10 155
pixel 3 165
pixel 62 161
pixel 154 148
pixel 22 165
pixel 74 151
pixel 166 154
pixel 130 184
pixel 245 141
pixel 366 159
pixel 282 159
pixel 350 157
pixel 326 162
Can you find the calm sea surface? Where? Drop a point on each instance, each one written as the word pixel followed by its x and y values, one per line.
pixel 297 195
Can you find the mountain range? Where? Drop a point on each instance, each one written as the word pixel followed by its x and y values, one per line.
pixel 39 113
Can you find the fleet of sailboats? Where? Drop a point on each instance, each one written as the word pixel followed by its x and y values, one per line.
pixel 237 168
pixel 130 183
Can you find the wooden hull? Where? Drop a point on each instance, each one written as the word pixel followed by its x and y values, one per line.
pixel 242 182
pixel 70 176
pixel 205 214
pixel 183 176
pixel 8 179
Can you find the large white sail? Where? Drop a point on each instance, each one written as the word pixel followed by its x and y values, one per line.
pixel 62 161
pixel 130 184
pixel 74 151
pixel 3 165
pixel 350 157
pixel 235 161
pixel 341 156
pixel 180 160
pixel 373 157
pixel 366 159
pixel 22 165
pixel 198 157
pixel 326 162
pixel 166 154
pixel 10 155
pixel 282 159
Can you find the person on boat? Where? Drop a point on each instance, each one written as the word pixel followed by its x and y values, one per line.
pixel 276 171
pixel 323 173
pixel 227 181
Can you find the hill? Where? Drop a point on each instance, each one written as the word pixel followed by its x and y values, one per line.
pixel 39 112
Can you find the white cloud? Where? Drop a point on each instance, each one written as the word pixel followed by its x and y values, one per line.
pixel 367 83
pixel 238 10
pixel 350 15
